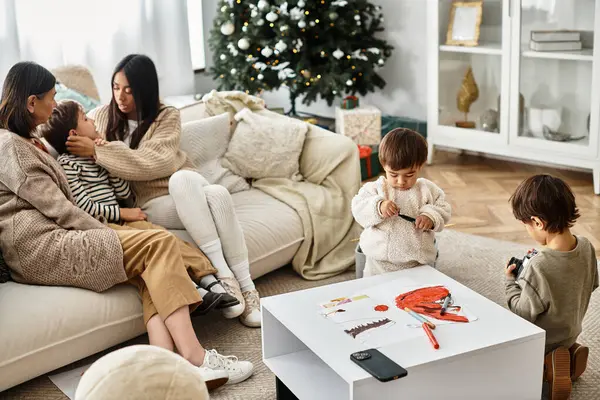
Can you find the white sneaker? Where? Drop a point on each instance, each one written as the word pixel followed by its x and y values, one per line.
pixel 231 286
pixel 214 378
pixel 251 315
pixel 238 371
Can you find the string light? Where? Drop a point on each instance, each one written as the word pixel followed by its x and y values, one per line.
pixel 348 57
pixel 316 21
pixel 306 12
pixel 271 25
pixel 307 83
pixel 246 23
pixel 318 76
pixel 353 67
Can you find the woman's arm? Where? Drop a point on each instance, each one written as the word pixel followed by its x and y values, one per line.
pixel 40 190
pixel 155 158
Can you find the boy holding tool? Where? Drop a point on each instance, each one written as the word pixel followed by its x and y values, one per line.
pixel 553 291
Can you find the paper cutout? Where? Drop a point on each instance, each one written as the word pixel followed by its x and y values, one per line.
pixel 357 330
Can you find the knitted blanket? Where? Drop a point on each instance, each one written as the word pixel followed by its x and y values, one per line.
pixel 330 166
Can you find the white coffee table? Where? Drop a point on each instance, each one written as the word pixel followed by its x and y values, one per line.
pixel 499 356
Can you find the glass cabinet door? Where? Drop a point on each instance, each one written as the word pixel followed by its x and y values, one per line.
pixel 471 76
pixel 554 86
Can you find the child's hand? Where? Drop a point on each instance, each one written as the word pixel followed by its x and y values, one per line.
pixel 508 271
pixel 388 208
pixel 423 222
pixel 133 214
pixel 100 142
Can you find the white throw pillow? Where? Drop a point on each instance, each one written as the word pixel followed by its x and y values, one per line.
pixel 205 141
pixel 265 145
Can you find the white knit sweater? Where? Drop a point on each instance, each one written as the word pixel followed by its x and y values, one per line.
pixel 395 240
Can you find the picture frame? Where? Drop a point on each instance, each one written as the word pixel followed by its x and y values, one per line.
pixel 464 23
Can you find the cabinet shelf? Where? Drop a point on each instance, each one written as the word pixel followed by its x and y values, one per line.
pixel 490 48
pixel 578 55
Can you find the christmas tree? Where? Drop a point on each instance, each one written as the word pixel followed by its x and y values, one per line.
pixel 314 47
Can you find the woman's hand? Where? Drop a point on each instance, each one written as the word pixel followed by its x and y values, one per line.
pixel 100 142
pixel 133 214
pixel 81 146
pixel 423 222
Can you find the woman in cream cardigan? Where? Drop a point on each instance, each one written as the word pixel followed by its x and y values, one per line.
pixel 142 146
pixel 47 240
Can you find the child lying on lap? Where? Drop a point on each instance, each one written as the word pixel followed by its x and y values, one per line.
pixel 98 193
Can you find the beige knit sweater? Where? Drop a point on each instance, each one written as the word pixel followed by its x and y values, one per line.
pixel 44 237
pixel 149 167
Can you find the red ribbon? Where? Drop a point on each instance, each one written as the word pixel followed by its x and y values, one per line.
pixel 365 152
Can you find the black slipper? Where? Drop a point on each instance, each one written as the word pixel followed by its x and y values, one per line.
pixel 209 301
pixel 227 300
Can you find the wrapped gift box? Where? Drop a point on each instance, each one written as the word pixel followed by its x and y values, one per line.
pixel 362 124
pixel 369 162
pixel 389 122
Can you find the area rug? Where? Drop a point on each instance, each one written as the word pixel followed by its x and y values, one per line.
pixel 475 261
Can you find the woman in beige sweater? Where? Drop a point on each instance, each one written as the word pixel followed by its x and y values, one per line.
pixel 142 147
pixel 47 240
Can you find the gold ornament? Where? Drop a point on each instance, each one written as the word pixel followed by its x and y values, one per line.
pixel 467 95
pixel 306 73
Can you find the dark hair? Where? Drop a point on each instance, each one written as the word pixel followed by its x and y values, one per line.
pixel 548 198
pixel 143 81
pixel 63 118
pixel 24 79
pixel 402 148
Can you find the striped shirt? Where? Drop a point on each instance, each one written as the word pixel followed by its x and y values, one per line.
pixel 95 191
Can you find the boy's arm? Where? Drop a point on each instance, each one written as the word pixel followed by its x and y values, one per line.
pixel 525 301
pixel 121 187
pixel 365 205
pixel 439 210
pixel 82 198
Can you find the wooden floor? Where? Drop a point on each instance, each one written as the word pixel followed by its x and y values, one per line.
pixel 479 188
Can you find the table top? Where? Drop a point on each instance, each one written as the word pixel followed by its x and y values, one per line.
pixel 495 326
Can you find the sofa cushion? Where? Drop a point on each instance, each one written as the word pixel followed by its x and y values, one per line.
pixel 272 230
pixel 46 327
pixel 266 145
pixel 205 141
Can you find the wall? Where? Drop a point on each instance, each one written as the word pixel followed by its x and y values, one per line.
pixel 405 72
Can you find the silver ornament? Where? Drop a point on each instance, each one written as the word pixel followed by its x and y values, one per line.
pixel 243 44
pixel 272 17
pixel 233 71
pixel 301 24
pixel 227 28
pixel 349 82
pixel 223 57
pixel 260 77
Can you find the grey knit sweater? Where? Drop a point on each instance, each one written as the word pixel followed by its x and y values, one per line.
pixel 44 237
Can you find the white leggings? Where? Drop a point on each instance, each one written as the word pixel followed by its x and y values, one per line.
pixel 206 211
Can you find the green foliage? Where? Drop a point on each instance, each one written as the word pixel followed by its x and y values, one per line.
pixel 315 47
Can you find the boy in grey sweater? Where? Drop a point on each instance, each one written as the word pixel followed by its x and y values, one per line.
pixel 554 288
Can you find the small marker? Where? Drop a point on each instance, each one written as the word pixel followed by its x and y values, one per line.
pixel 432 339
pixel 420 318
pixel 445 305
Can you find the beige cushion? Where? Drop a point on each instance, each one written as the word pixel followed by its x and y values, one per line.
pixel 141 372
pixel 44 327
pixel 272 230
pixel 205 141
pixel 265 146
pixel 193 112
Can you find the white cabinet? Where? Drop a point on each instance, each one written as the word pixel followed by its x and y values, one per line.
pixel 528 100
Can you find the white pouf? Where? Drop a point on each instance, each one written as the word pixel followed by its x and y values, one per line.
pixel 141 372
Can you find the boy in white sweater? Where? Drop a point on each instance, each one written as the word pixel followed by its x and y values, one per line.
pixel 554 288
pixel 400 212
